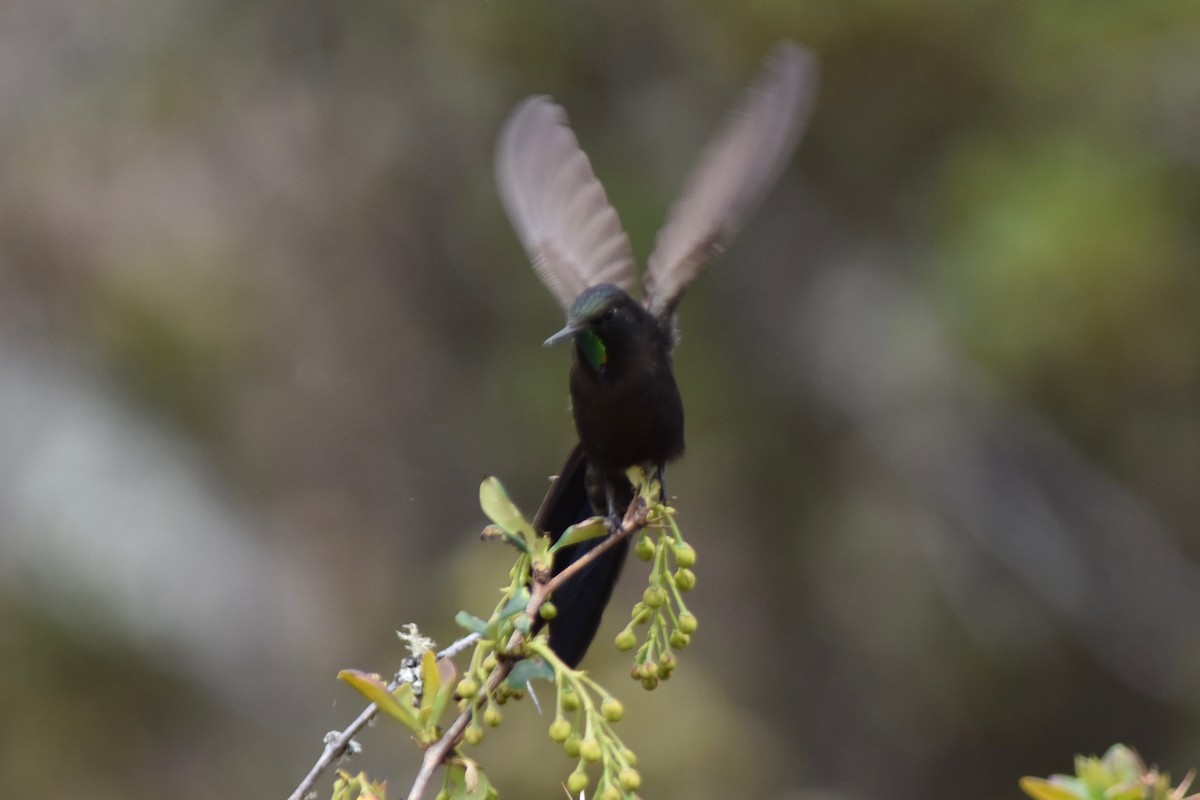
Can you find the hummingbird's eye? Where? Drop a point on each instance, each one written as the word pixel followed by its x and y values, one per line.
pixel 608 314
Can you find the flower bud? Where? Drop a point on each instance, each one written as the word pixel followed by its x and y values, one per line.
pixel 688 622
pixel 590 750
pixel 612 709
pixel 680 640
pixel 685 579
pixel 626 640
pixel 560 729
pixel 577 782
pixel 685 556
pixel 644 548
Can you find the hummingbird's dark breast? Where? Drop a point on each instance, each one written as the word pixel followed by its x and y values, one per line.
pixel 628 413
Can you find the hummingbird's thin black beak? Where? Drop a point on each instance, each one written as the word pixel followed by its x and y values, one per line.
pixel 561 336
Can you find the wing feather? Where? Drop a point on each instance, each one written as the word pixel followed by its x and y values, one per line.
pixel 736 171
pixel 557 205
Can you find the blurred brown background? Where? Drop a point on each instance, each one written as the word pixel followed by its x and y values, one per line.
pixel 264 326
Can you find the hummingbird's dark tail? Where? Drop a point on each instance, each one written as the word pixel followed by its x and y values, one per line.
pixel 582 599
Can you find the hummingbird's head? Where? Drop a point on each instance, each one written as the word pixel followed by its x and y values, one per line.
pixel 601 319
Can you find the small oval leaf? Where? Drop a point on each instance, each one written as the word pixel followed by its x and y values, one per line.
pixel 581 532
pixel 516 604
pixel 503 511
pixel 1041 789
pixel 471 622
pixel 529 669
pixel 397 705
pixel 431 678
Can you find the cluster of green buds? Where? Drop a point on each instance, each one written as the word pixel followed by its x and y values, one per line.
pixel 508 616
pixel 534 560
pixel 584 714
pixel 669 623
pixel 584 711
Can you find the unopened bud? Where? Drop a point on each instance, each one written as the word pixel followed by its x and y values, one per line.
pixel 685 556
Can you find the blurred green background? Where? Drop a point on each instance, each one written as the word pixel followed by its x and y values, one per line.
pixel 264 326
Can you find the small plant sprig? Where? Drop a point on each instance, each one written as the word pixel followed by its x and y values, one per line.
pixel 584 710
pixel 1119 775
pixel 357 787
pixel 505 635
pixel 584 713
pixel 419 703
pixel 670 624
pixel 508 654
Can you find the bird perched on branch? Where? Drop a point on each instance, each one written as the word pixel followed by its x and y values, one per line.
pixel 624 399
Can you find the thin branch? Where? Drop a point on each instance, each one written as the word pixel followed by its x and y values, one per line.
pixel 635 519
pixel 336 746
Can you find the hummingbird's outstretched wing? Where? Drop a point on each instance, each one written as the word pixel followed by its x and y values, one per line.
pixel 559 209
pixel 736 170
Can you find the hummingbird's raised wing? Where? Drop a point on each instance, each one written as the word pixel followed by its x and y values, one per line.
pixel 557 206
pixel 737 169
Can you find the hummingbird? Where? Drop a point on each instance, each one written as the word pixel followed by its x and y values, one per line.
pixel 624 399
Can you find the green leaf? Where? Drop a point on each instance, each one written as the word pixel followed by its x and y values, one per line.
pixel 471 622
pixel 539 553
pixel 454 777
pixel 1041 789
pixel 475 782
pixel 502 511
pixel 431 677
pixel 1124 764
pixel 446 680
pixel 397 705
pixel 1127 792
pixel 580 532
pixel 516 604
pixel 527 670
pixel 644 485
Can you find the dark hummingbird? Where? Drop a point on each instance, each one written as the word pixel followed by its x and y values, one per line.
pixel 624 398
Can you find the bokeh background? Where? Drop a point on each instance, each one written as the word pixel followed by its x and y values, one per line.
pixel 264 326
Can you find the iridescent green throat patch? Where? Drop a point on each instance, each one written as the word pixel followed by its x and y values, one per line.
pixel 593 349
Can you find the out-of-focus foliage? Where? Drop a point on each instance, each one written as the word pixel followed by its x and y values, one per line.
pixel 1119 775
pixel 263 326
